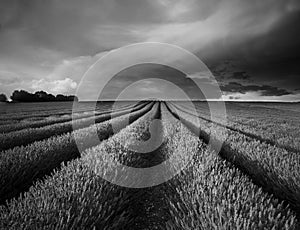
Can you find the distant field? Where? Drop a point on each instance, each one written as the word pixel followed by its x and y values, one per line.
pixel 47 183
pixel 24 112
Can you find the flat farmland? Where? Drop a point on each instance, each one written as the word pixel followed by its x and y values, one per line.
pixel 49 164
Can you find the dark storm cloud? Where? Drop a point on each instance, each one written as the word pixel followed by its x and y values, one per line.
pixel 265 90
pixel 273 91
pixel 282 73
pixel 227 74
pixel 240 76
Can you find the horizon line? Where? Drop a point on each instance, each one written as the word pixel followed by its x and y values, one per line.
pixel 197 100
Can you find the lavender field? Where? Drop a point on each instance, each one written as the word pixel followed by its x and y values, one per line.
pixel 253 182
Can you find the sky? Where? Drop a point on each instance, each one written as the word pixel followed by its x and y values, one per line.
pixel 250 47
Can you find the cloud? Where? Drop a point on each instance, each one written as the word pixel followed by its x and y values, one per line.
pixel 231 22
pixel 66 86
pixel 228 70
pixel 189 10
pixel 206 74
pixel 273 91
pixel 234 97
pixel 74 67
pixel 7 78
pixel 264 90
pixel 240 76
pixel 77 27
pixel 256 96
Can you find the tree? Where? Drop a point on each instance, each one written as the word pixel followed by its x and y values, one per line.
pixel 43 96
pixel 72 98
pixel 40 96
pixel 3 98
pixel 22 96
pixel 61 97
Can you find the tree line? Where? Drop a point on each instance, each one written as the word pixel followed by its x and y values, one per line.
pixel 39 96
